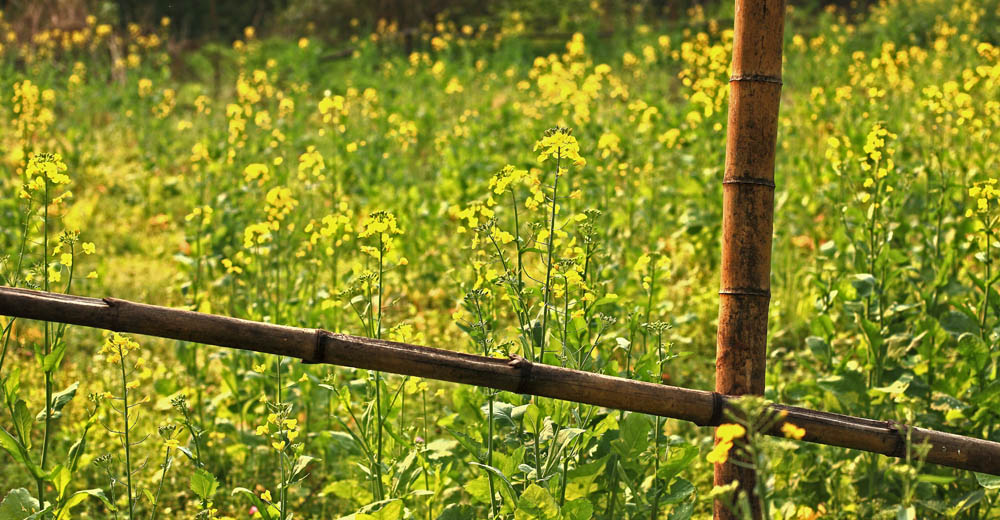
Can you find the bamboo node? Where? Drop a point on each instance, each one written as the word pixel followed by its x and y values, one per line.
pixel 757 78
pixel 319 349
pixel 718 408
pixel 749 180
pixel 747 291
pixel 524 367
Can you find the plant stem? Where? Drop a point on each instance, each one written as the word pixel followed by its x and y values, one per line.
pixel 548 261
pixel 128 446
pixel 47 346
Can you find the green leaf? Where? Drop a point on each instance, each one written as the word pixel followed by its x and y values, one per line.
pixel 24 421
pixel 261 506
pixel 479 489
pixel 59 476
pixel 988 481
pixel 457 512
pixel 391 511
pixel 299 469
pixel 532 419
pixel 863 284
pixel 54 358
pixel 59 401
pixel 956 323
pixel 204 484
pixel 536 504
pixel 906 513
pixel 682 512
pixel 819 347
pixel 506 489
pixel 14 448
pixel 12 384
pixel 579 509
pixel 78 497
pixel 679 491
pixel 633 437
pixel 18 505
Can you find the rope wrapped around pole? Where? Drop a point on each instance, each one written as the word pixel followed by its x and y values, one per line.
pixel 515 374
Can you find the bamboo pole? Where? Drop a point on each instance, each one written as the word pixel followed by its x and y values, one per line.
pixel 747 215
pixel 515 374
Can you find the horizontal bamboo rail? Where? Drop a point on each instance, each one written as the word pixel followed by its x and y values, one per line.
pixel 515 374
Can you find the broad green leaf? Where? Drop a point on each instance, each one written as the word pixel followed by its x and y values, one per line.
pixel 958 323
pixel 24 421
pixel 18 505
pixel 17 451
pixel 532 419
pixel 682 512
pixel 988 481
pixel 391 511
pixel 579 509
pixel 59 476
pixel 203 484
pixel 679 491
pixel 299 469
pixel 479 489
pixel 906 513
pixel 633 437
pixel 78 497
pixel 59 400
pixel 12 384
pixel 457 512
pixel 864 284
pixel 536 504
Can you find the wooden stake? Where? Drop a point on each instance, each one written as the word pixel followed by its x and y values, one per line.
pixel 747 214
pixel 515 374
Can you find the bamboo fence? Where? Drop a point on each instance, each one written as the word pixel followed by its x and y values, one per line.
pixel 515 374
pixel 747 216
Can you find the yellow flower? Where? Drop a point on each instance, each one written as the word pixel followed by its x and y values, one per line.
pixel 278 445
pixel 729 431
pixel 720 453
pixel 559 143
pixel 145 87
pixel 266 496
pixel 88 248
pixel 256 171
pixel 48 165
pixel 262 430
pixel 793 432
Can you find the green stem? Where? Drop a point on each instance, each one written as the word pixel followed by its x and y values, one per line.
pixel 125 430
pixel 548 261
pixel 48 346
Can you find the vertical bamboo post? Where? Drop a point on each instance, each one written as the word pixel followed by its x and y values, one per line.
pixel 747 213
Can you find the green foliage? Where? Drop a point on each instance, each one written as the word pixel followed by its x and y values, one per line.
pixel 409 190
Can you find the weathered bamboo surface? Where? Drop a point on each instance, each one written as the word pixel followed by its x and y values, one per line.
pixel 747 214
pixel 514 374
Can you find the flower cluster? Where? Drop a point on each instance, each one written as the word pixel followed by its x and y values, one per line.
pixel 724 436
pixel 559 143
